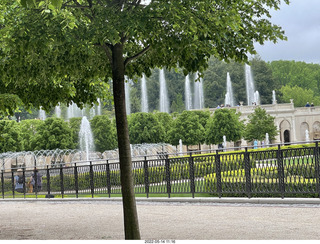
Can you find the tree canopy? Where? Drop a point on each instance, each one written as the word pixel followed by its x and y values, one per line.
pixel 29 129
pixel 69 41
pixel 104 133
pixel 61 51
pixel 145 128
pixel 299 95
pixel 224 122
pixel 259 124
pixel 53 133
pixel 10 136
pixel 188 128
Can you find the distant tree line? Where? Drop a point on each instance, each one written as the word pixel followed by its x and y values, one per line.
pixel 192 127
pixel 299 81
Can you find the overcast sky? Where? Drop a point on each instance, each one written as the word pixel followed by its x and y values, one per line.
pixel 301 22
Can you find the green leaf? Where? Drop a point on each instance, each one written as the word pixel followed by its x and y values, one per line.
pixel 57 3
pixel 23 3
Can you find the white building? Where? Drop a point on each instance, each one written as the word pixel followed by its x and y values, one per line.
pixel 291 122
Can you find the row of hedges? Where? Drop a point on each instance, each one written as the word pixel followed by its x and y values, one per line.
pixel 266 179
pixel 268 152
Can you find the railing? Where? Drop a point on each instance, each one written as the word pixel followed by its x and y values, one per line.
pixel 277 173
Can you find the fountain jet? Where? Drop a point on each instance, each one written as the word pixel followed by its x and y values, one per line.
pixel 164 101
pixel 86 137
pixel 229 100
pixel 144 95
pixel 198 93
pixel 188 96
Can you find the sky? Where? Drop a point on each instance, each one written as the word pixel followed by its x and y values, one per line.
pixel 301 22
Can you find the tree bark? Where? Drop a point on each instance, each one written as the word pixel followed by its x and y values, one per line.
pixel 131 225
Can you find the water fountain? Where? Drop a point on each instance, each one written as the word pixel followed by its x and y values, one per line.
pixel 224 142
pixel 274 100
pixel 99 107
pixel 267 142
pixel 127 96
pixel 42 114
pixel 256 99
pixel 164 101
pixel 86 137
pixel 229 99
pixel 73 111
pixel 92 112
pixel 198 93
pixel 307 135
pixel 188 96
pixel 144 95
pixel 250 86
pixel 181 146
pixel 70 113
pixel 57 111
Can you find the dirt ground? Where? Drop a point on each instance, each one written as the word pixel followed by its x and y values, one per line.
pixel 103 220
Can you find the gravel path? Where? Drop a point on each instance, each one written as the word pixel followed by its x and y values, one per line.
pixel 103 220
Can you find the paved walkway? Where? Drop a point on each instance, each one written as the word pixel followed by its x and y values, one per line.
pixel 162 219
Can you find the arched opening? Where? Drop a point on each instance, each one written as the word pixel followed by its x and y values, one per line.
pixel 286 136
pixel 304 132
pixel 316 130
pixel 285 128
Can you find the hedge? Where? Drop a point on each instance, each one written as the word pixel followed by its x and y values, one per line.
pixel 268 178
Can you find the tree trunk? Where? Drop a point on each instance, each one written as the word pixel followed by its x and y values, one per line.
pixel 131 225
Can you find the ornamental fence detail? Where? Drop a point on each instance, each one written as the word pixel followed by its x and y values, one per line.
pixel 249 173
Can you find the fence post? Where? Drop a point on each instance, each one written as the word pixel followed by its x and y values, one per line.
pixel 12 183
pixel 48 181
pixel 108 178
pixel 35 189
pixel 146 176
pixel 61 181
pixel 247 167
pixel 191 172
pixel 76 181
pixel 167 164
pixel 91 180
pixel 2 184
pixel 316 155
pixel 218 173
pixel 24 182
pixel 280 171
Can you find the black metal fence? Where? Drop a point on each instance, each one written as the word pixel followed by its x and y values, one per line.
pixel 273 172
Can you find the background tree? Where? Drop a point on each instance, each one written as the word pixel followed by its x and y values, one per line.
pixel 53 133
pixel 84 43
pixel 259 124
pixel 10 139
pixel 145 128
pixel 104 133
pixel 224 122
pixel 188 128
pixel 135 99
pixel 296 73
pixel 166 121
pixel 204 116
pixel 29 129
pixel 299 95
pixel 74 124
pixel 178 104
pixel 263 79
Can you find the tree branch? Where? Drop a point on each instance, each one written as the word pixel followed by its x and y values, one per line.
pixel 143 51
pixel 106 48
pixel 82 7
